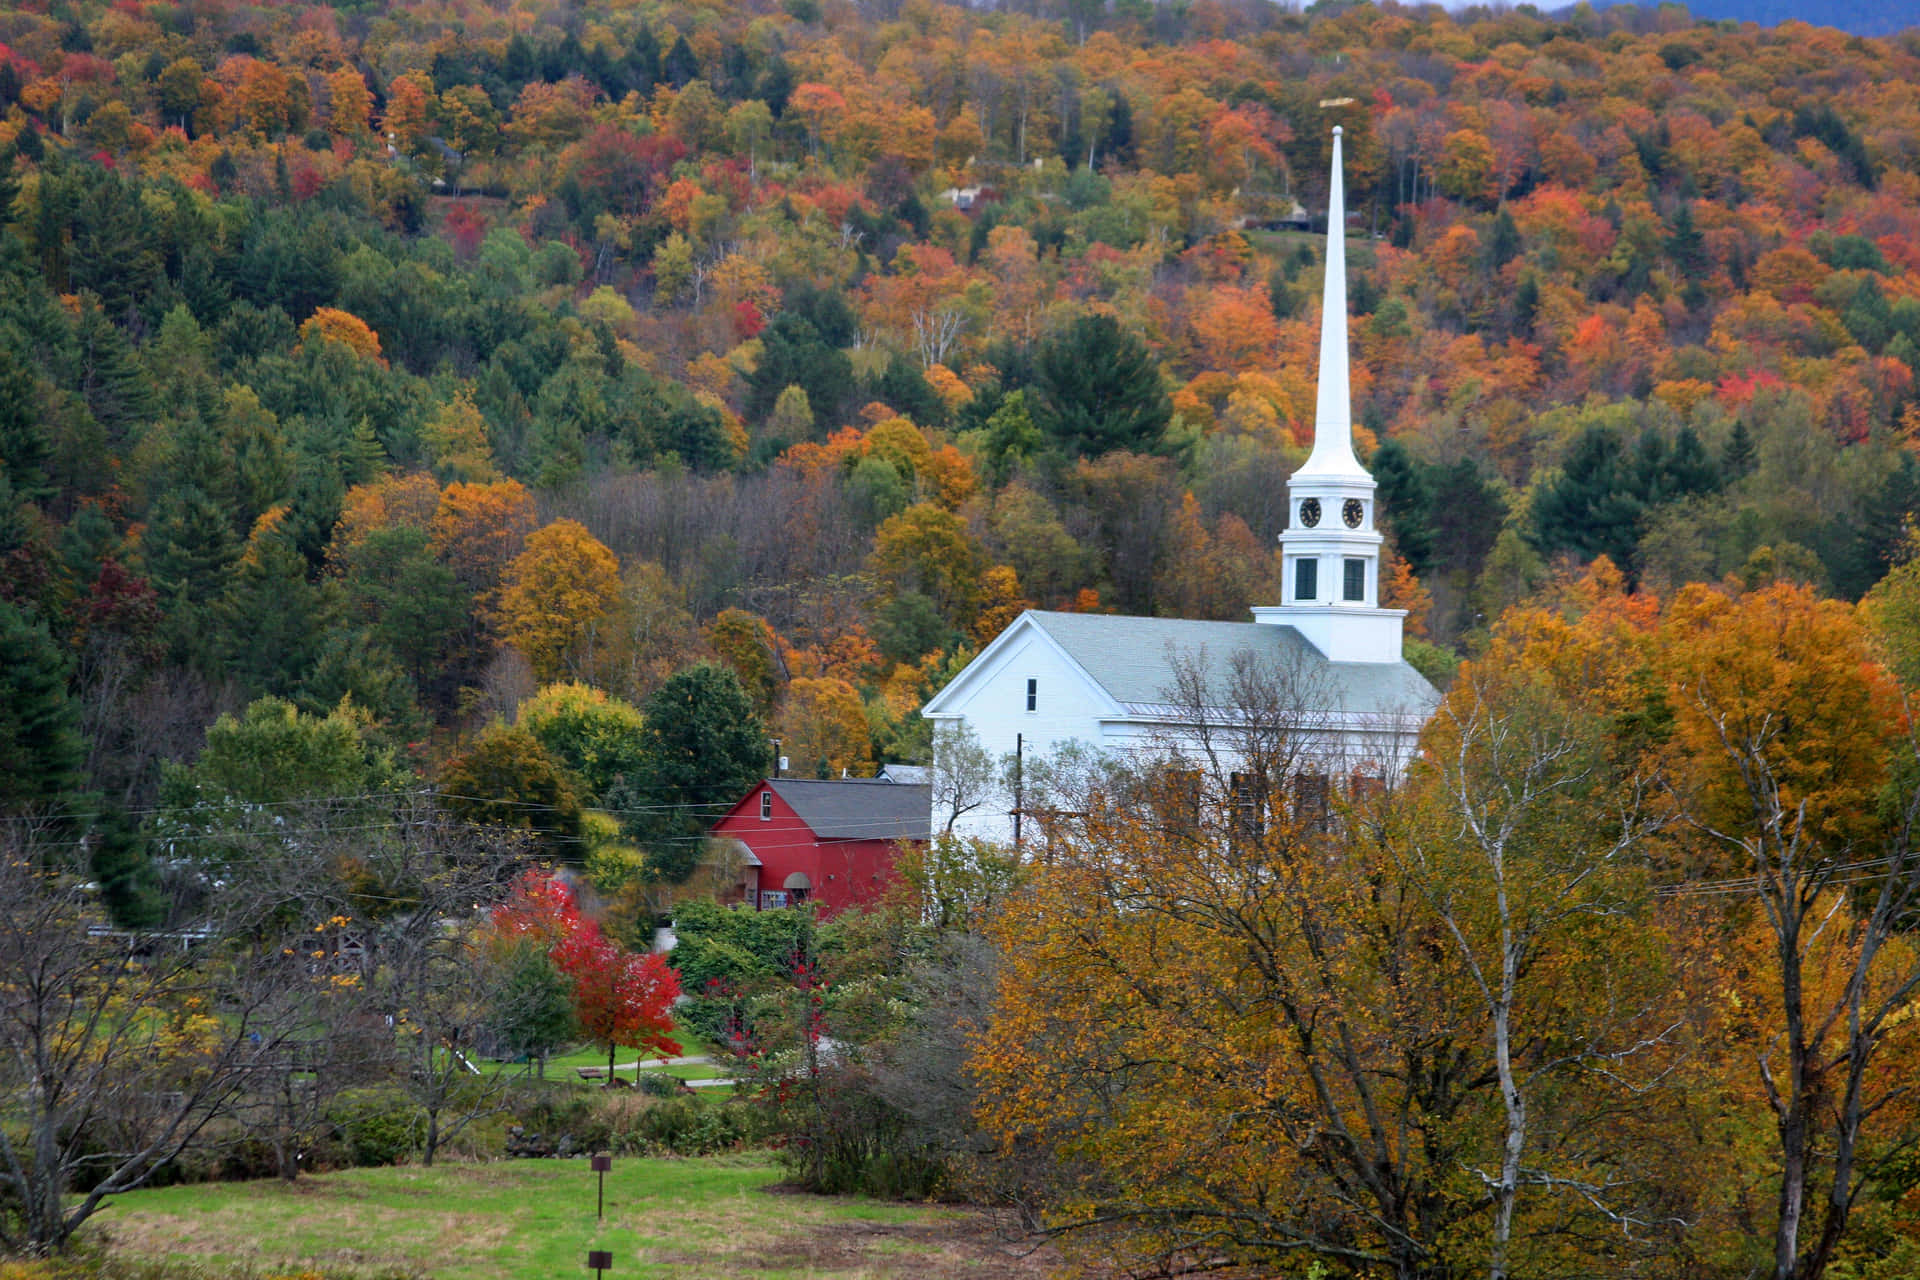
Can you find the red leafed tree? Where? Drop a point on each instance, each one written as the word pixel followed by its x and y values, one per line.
pixel 619 997
pixel 538 908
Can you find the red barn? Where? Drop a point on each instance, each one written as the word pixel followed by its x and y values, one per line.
pixel 830 843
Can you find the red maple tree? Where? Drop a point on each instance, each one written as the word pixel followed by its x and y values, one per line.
pixel 620 997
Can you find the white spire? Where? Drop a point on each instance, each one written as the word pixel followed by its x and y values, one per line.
pixel 1333 413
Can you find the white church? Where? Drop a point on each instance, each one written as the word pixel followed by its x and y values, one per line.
pixel 1124 686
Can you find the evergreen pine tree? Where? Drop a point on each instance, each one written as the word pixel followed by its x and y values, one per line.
pixel 1739 457
pixel 1097 388
pixel 1689 470
pixel 1406 503
pixel 1503 240
pixel 1650 475
pixel 190 549
pixel 702 746
pixel 108 374
pixel 1467 512
pixel 1685 245
pixel 1859 548
pixel 1591 508
pixel 41 750
pixel 273 620
pixel 1868 317
pixel 122 865
pixel 9 184
pixel 24 446
pixel 681 65
pixel 1526 304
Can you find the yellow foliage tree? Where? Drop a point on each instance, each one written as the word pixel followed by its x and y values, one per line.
pixel 823 728
pixel 1001 602
pixel 557 598
pixel 456 436
pixel 748 645
pixel 351 104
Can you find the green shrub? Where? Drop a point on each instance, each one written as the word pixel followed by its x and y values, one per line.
pixel 377 1126
pixel 689 1127
pixel 580 1117
pixel 658 1084
pixel 853 1141
pixel 713 1020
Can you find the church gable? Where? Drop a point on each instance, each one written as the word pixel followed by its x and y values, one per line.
pixel 1024 677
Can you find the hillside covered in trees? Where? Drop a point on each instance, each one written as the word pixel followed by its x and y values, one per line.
pixel 397 360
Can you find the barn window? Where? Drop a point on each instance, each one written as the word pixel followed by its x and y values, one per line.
pixel 766 806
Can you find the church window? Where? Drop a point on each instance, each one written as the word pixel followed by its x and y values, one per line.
pixel 1247 800
pixel 1306 585
pixel 1175 799
pixel 1033 695
pixel 1312 801
pixel 1356 583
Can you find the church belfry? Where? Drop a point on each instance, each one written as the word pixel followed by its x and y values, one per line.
pixel 1331 549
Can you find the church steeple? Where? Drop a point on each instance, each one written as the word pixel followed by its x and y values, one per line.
pixel 1331 549
pixel 1333 409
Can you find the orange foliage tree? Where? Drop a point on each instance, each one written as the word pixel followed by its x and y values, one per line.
pixel 330 324
pixel 479 528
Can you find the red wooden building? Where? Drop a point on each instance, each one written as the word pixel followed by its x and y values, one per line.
pixel 830 843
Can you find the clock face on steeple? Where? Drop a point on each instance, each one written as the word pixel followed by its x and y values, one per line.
pixel 1310 513
pixel 1353 512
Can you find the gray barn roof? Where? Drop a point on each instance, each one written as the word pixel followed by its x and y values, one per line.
pixel 1134 660
pixel 860 808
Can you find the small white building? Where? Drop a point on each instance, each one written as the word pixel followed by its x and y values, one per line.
pixel 1127 685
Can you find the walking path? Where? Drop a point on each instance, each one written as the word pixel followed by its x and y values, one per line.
pixel 692 1060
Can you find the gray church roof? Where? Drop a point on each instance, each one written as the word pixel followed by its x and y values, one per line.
pixel 1135 660
pixel 859 808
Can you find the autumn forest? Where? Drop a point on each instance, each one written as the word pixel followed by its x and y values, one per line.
pixel 406 392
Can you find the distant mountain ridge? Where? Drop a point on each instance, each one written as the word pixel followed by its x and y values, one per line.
pixel 1858 17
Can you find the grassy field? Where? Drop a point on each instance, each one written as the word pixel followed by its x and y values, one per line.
pixel 509 1220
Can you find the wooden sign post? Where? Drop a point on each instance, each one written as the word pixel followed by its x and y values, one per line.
pixel 602 1165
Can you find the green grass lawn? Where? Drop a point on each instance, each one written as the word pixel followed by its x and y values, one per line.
pixel 535 1218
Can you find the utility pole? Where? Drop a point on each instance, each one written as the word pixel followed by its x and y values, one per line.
pixel 1019 786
